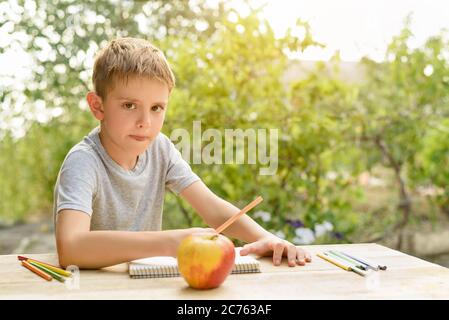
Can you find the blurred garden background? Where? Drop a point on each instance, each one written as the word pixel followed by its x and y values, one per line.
pixel 363 138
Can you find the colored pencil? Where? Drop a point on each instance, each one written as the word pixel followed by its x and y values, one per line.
pixel 333 261
pixel 368 266
pixel 48 271
pixel 36 271
pixel 374 266
pixel 339 258
pixel 26 258
pixel 360 272
pixel 356 263
pixel 48 266
pixel 351 266
pixel 344 264
pixel 232 219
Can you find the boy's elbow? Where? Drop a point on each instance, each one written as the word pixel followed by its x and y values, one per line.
pixel 65 258
pixel 63 262
pixel 67 254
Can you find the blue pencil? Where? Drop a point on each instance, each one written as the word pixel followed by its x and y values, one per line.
pixel 370 265
pixel 352 266
pixel 358 264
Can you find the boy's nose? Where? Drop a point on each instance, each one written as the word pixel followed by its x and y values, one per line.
pixel 144 120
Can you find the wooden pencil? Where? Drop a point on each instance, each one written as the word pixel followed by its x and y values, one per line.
pixel 352 266
pixel 48 271
pixel 48 266
pixel 232 219
pixel 36 271
pixel 333 261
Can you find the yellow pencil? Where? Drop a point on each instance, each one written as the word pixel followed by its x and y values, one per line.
pixel 338 264
pixel 48 266
pixel 52 268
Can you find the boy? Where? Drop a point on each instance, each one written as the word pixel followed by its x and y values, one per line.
pixel 110 189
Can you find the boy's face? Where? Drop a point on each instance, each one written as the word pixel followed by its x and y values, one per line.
pixel 133 115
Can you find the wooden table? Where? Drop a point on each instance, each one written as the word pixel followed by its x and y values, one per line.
pixel 407 277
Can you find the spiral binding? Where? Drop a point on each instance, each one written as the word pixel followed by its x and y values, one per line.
pixel 167 271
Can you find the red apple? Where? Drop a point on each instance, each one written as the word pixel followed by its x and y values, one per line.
pixel 206 259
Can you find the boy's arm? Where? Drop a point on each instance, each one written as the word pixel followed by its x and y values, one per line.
pixel 77 245
pixel 215 211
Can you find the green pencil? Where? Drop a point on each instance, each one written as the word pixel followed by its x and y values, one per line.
pixel 341 256
pixel 52 273
pixel 353 267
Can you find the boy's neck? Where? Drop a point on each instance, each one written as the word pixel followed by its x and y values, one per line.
pixel 116 154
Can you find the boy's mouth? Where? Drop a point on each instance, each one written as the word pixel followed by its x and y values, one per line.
pixel 140 138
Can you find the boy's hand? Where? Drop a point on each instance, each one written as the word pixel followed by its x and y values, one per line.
pixel 180 234
pixel 279 248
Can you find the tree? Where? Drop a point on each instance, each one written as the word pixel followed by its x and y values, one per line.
pixel 402 97
pixel 62 37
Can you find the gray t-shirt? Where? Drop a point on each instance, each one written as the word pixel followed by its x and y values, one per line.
pixel 115 198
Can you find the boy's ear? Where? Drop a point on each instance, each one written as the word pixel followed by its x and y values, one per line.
pixel 95 105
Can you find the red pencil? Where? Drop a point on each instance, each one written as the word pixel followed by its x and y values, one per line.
pixel 36 271
pixel 22 258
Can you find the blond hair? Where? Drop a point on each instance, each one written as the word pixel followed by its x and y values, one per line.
pixel 124 57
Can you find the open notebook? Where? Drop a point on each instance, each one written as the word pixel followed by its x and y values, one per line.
pixel 161 267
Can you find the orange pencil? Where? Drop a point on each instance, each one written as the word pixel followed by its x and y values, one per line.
pixel 232 219
pixel 47 265
pixel 36 271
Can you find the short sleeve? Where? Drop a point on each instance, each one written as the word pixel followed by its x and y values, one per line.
pixel 77 183
pixel 179 174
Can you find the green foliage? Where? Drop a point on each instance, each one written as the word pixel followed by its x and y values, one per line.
pixel 401 101
pixel 233 80
pixel 229 71
pixel 432 161
pixel 316 146
pixel 62 37
pixel 30 165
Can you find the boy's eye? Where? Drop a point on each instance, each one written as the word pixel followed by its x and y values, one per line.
pixel 157 108
pixel 129 106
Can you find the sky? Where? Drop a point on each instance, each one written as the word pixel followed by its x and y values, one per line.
pixel 354 27
pixel 357 27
